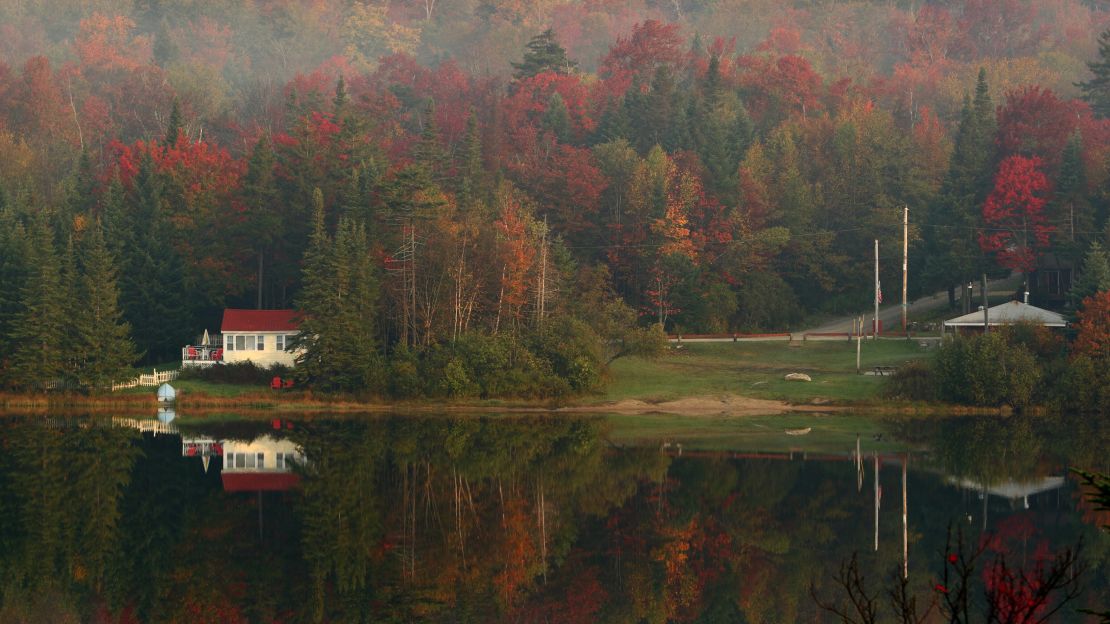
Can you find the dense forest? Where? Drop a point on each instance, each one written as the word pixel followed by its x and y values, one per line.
pixel 502 196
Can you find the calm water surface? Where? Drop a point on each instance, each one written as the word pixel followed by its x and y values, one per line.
pixel 511 519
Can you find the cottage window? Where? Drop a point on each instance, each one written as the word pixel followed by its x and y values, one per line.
pixel 240 460
pixel 261 460
pixel 280 342
pixel 229 460
pixel 240 343
pixel 261 342
pixel 229 343
pixel 280 458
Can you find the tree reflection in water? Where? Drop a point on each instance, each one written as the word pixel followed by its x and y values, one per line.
pixel 475 519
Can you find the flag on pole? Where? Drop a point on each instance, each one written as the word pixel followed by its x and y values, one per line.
pixel 879 292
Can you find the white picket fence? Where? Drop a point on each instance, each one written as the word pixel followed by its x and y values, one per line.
pixel 154 379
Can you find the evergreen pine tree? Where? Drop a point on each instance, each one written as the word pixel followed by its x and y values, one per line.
pixel 1094 278
pixel 164 49
pixel 152 276
pixel 173 125
pixel 1071 211
pixel 953 251
pixel 543 54
pixel 428 153
pixel 262 223
pixel 471 178
pixel 1096 91
pixel 102 342
pixel 314 299
pixel 710 133
pixel 338 301
pixel 613 124
pixel 38 329
pixel 15 256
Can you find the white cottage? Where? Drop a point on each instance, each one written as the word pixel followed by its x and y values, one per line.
pixel 260 336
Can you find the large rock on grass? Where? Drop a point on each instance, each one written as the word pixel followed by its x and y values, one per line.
pixel 798 377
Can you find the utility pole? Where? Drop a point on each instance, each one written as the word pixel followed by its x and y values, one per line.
pixel 905 262
pixel 986 305
pixel 878 293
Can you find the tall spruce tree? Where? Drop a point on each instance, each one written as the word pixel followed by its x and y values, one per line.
pixel 556 118
pixel 15 256
pixel 543 54
pixel 953 250
pixel 471 179
pixel 38 329
pixel 102 341
pixel 152 276
pixel 1096 91
pixel 173 125
pixel 338 302
pixel 263 223
pixel 1094 278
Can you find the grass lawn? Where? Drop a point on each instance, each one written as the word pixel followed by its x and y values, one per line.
pixel 756 369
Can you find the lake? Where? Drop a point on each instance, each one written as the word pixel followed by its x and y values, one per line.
pixel 509 518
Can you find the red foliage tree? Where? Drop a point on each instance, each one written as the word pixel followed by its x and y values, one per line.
pixel 787 82
pixel 1034 122
pixel 1014 214
pixel 650 45
pixel 1093 338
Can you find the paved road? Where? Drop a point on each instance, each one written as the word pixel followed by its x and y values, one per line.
pixel 891 315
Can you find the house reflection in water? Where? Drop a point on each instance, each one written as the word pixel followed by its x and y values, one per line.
pixel 264 464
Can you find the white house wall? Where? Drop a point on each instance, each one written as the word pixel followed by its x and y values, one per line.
pixel 265 358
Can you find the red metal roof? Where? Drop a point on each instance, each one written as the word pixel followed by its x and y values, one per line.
pixel 259 481
pixel 259 320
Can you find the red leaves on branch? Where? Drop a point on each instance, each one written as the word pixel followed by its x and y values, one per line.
pixel 1016 227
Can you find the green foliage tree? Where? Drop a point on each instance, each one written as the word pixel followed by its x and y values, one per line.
pixel 987 370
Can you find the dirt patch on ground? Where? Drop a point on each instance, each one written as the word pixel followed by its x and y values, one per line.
pixel 730 404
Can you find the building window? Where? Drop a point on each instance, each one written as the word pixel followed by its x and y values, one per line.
pixel 280 458
pixel 261 460
pixel 229 460
pixel 280 340
pixel 240 343
pixel 240 460
pixel 261 342
pixel 229 343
